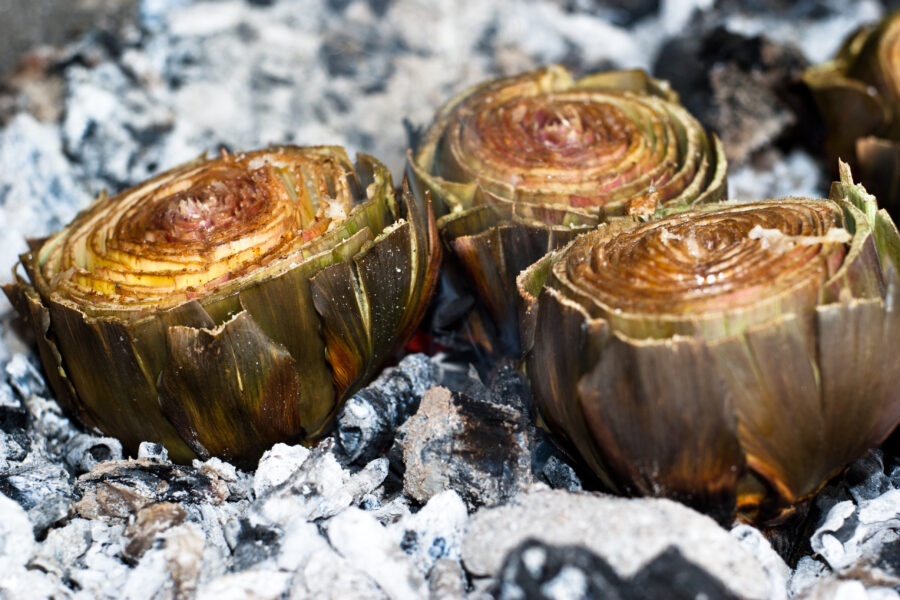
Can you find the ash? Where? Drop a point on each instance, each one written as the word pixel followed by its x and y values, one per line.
pixel 435 482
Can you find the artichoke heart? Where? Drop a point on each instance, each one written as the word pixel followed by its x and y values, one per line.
pixel 733 356
pixel 229 304
pixel 858 96
pixel 520 166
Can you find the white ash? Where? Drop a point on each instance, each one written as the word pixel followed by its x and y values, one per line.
pixel 16 539
pixel 807 574
pixel 84 452
pixel 247 585
pixel 276 465
pixel 152 451
pixel 434 533
pixel 821 37
pixel 797 175
pixel 777 571
pixel 447 580
pixel 369 546
pixel 39 188
pixel 832 588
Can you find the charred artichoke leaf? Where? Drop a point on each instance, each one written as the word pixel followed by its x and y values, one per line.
pixel 102 361
pixel 380 295
pixel 546 151
pixel 772 379
pixel 233 374
pixel 663 439
pixel 28 305
pixel 716 355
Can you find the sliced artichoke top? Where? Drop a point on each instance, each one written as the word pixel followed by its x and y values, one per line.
pixel 544 138
pixel 200 231
pixel 721 268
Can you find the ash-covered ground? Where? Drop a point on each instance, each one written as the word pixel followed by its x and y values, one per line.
pixel 436 482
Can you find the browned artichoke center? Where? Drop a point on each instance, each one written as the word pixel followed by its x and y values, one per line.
pixel 709 263
pixel 212 208
pixel 545 133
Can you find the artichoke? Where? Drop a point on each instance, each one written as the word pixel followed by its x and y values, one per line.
pixel 228 304
pixel 520 166
pixel 734 356
pixel 858 96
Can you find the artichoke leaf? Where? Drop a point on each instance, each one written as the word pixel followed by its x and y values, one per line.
pixel 385 274
pixel 26 301
pixel 664 421
pixel 632 80
pixel 224 390
pixel 104 365
pixel 575 346
pixel 856 338
pixel 773 381
pixel 879 167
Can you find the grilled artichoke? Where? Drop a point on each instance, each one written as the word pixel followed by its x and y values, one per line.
pixel 730 356
pixel 519 166
pixel 229 304
pixel 858 96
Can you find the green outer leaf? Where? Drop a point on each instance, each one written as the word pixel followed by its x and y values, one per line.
pixel 425 247
pixel 348 295
pixel 102 361
pixel 529 284
pixel 353 298
pixel 283 309
pixel 27 303
pixel 149 335
pixel 385 279
pixel 225 390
